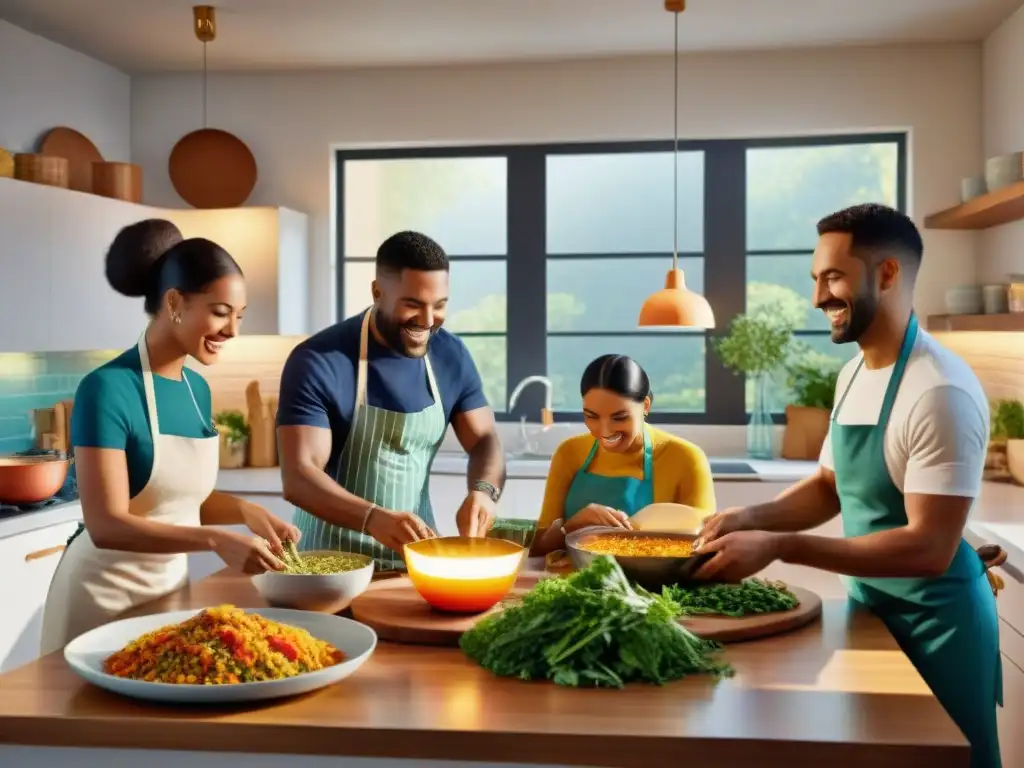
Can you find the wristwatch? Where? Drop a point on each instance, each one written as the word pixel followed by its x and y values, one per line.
pixel 484 487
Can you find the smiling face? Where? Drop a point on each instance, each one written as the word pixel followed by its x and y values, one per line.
pixel 846 288
pixel 615 421
pixel 410 308
pixel 209 318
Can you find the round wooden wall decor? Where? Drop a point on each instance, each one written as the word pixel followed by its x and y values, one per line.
pixel 78 150
pixel 211 168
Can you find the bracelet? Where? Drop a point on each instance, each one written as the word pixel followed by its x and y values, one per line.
pixel 366 516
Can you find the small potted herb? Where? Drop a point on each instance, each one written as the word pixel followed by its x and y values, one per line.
pixel 234 438
pixel 755 346
pixel 813 389
pixel 1007 431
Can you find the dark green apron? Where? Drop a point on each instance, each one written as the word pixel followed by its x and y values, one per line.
pixel 947 626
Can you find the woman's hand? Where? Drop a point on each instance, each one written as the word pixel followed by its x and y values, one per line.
pixel 268 526
pixel 598 514
pixel 248 554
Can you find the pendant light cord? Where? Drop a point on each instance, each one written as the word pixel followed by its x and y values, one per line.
pixel 675 149
pixel 204 85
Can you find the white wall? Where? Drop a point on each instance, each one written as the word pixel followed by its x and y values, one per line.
pixel 291 120
pixel 44 85
pixel 1003 124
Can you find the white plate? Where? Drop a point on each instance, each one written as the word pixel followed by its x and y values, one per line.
pixel 86 654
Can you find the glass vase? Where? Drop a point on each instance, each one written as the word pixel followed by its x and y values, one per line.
pixel 761 426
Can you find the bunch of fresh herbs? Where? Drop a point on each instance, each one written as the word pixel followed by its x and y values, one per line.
pixel 813 386
pixel 1007 420
pixel 232 424
pixel 752 596
pixel 592 628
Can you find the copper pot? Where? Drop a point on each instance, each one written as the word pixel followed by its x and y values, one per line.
pixel 29 479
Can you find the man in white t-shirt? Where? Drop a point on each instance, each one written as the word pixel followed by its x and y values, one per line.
pixel 902 464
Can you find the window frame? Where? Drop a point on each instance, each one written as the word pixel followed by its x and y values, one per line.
pixel 725 252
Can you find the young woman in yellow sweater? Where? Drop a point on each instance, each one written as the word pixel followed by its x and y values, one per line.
pixel 622 464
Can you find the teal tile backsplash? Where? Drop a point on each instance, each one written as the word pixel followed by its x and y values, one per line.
pixel 30 381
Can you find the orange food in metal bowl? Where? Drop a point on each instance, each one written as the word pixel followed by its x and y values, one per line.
pixel 618 545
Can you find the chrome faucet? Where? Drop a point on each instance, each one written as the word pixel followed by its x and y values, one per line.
pixel 547 415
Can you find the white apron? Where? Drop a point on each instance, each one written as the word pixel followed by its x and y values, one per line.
pixel 92 586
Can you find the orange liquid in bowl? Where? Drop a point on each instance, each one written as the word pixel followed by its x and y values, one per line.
pixel 463 575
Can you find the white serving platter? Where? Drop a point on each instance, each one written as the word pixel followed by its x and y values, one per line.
pixel 86 654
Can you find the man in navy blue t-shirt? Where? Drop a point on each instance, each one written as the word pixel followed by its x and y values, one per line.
pixel 365 405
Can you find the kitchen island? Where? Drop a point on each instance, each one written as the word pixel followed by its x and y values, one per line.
pixel 838 692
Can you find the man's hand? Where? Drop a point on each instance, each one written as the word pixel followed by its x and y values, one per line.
pixel 396 529
pixel 722 523
pixel 738 555
pixel 476 515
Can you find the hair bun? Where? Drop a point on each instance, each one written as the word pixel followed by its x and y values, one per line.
pixel 136 249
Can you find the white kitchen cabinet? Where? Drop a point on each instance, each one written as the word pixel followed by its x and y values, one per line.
pixel 740 493
pixel 27 230
pixel 521 498
pixel 54 294
pixel 27 564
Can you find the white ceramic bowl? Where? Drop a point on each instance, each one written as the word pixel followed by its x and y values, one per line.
pixel 86 654
pixel 326 593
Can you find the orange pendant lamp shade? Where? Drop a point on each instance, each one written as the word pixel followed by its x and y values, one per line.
pixel 676 305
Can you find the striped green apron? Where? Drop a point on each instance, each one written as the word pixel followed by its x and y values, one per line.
pixel 386 460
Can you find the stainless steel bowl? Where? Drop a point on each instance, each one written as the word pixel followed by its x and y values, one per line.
pixel 651 573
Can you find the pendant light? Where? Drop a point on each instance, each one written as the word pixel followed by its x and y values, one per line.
pixel 676 306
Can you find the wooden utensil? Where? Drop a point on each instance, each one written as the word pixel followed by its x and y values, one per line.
pixel 211 168
pixel 77 150
pixel 120 181
pixel 60 422
pixel 6 164
pixel 43 423
pixel 668 518
pixel 41 169
pixel 68 407
pixel 262 447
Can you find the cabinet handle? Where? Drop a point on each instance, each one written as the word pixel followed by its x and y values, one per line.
pixel 44 552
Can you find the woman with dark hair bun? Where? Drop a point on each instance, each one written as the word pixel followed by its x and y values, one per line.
pixel 146 448
pixel 621 464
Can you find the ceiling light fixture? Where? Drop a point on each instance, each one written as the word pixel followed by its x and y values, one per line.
pixel 676 305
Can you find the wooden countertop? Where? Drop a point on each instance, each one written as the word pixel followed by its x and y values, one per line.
pixel 839 691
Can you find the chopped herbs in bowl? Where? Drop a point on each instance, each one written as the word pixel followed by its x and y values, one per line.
pixel 318 580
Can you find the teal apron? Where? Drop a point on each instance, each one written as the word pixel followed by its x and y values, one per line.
pixel 947 626
pixel 386 460
pixel 626 494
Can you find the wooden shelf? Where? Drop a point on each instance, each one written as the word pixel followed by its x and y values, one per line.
pixel 989 210
pixel 1006 322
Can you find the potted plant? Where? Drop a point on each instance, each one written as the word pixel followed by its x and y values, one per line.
pixel 1007 429
pixel 755 347
pixel 813 389
pixel 234 438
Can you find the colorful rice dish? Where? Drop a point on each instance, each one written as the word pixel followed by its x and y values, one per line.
pixel 222 646
pixel 618 545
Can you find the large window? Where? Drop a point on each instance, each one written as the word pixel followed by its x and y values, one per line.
pixel 554 248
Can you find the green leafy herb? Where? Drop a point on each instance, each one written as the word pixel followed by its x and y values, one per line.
pixel 592 628
pixel 1007 420
pixel 754 345
pixel 812 385
pixel 232 423
pixel 750 597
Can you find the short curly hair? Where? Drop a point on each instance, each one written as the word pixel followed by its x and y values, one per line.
pixel 411 250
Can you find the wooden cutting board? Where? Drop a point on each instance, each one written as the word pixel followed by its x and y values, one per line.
pixel 262 435
pixel 396 612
